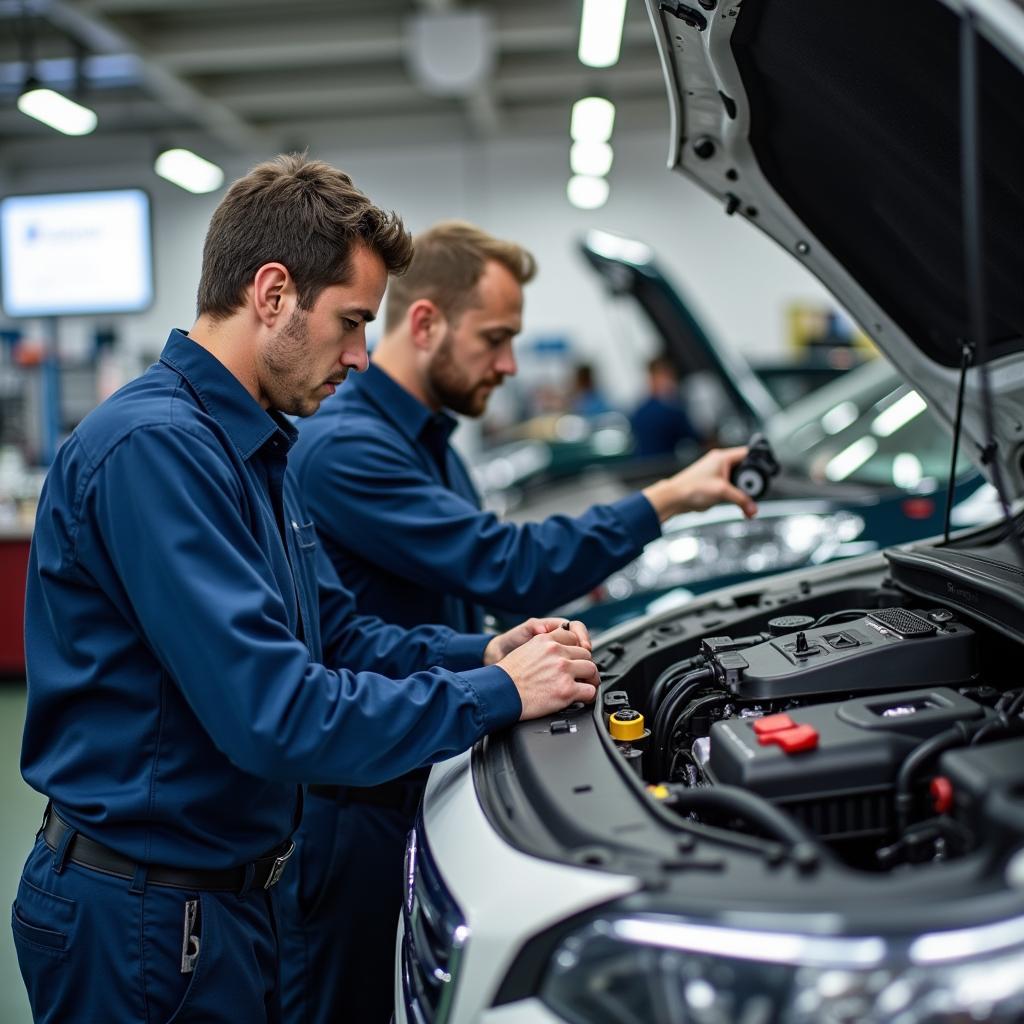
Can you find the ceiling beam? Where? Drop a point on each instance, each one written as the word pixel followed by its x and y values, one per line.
pixel 134 7
pixel 258 98
pixel 128 155
pixel 311 42
pixel 100 35
pixel 338 41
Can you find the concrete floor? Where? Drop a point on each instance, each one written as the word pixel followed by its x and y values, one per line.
pixel 22 810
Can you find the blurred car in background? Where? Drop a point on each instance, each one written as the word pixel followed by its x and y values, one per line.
pixel 864 464
pixel 744 391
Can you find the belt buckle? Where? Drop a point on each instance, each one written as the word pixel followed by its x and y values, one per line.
pixel 277 870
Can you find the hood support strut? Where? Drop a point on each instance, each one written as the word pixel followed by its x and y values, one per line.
pixel 971 184
pixel 966 357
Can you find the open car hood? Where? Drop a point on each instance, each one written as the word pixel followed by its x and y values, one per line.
pixel 835 129
pixel 628 267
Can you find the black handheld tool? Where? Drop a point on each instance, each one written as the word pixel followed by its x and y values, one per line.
pixel 759 465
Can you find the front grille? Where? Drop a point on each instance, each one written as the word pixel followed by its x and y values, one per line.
pixel 435 936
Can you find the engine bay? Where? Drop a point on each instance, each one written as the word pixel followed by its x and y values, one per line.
pixel 884 737
pixel 874 733
pixel 845 741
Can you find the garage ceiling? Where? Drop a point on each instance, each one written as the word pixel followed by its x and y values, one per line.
pixel 230 77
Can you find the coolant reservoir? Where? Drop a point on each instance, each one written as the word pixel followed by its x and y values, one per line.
pixel 627 730
pixel 627 725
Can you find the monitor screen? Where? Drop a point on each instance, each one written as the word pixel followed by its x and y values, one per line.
pixel 76 253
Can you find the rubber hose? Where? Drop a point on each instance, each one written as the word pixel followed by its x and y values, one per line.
pixel 746 805
pixel 668 677
pixel 958 736
pixel 661 727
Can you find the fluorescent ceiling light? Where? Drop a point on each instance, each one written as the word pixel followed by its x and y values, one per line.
pixel 188 171
pixel 593 158
pixel 586 192
pixel 592 120
pixel 899 414
pixel 57 111
pixel 601 32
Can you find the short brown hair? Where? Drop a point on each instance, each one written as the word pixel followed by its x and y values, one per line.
pixel 303 214
pixel 448 262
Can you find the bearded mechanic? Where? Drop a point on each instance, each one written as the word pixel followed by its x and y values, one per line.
pixel 191 654
pixel 398 514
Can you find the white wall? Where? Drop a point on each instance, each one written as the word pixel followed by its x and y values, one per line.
pixel 738 280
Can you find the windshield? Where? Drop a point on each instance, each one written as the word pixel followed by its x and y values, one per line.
pixel 868 427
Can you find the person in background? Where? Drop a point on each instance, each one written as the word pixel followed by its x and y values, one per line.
pixel 399 517
pixel 660 424
pixel 587 400
pixel 192 658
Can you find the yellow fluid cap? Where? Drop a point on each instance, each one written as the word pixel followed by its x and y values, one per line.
pixel 659 792
pixel 626 725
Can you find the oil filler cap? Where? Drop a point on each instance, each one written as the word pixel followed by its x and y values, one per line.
pixel 784 624
pixel 626 725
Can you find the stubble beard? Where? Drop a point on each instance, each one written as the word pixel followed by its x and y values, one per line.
pixel 449 385
pixel 286 360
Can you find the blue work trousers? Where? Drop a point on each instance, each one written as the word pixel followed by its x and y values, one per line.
pixel 339 913
pixel 97 949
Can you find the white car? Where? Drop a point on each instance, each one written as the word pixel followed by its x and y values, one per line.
pixel 800 799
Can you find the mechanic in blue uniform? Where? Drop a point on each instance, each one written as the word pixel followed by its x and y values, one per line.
pixel 191 655
pixel 660 423
pixel 398 515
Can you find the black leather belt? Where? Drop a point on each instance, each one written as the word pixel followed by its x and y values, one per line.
pixel 399 795
pixel 90 854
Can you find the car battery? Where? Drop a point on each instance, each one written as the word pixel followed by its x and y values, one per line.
pixel 834 766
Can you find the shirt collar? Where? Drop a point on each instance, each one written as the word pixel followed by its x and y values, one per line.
pixel 406 411
pixel 222 395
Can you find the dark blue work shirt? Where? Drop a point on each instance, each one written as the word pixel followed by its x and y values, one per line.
pixel 191 654
pixel 659 426
pixel 404 527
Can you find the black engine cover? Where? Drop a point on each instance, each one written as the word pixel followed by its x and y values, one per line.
pixel 887 649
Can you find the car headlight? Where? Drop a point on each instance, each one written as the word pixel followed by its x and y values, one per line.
pixel 694 549
pixel 664 970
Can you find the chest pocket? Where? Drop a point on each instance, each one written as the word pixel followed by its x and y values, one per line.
pixel 304 546
pixel 305 536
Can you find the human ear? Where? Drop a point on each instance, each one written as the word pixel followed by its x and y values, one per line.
pixel 273 293
pixel 426 323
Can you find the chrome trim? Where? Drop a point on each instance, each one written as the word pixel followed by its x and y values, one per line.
pixel 434 938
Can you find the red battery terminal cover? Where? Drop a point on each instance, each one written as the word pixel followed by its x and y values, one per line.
pixel 793 740
pixel 772 723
